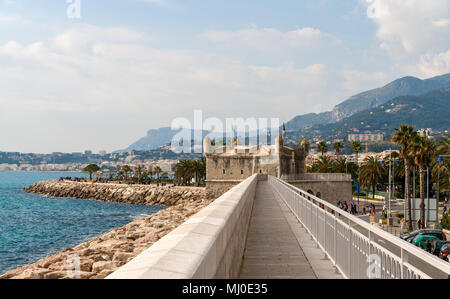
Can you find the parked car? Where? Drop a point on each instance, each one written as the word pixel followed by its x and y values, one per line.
pixel 421 240
pixel 430 232
pixel 445 250
pixel 437 245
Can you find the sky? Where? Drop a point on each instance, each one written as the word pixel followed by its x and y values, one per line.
pixel 99 75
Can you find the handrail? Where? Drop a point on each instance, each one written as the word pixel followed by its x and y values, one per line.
pixel 346 223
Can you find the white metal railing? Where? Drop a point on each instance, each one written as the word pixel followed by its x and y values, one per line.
pixel 340 177
pixel 357 249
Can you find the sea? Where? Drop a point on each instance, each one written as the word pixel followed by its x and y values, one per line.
pixel 34 226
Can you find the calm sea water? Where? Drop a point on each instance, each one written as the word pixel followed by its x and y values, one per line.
pixel 34 226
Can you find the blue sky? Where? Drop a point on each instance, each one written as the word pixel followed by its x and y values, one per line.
pixel 101 81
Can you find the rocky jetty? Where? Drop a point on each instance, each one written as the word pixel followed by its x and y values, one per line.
pixel 132 194
pixel 100 256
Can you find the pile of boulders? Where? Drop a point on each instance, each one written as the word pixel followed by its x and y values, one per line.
pixel 132 194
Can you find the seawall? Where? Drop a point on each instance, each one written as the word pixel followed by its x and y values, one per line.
pixel 132 194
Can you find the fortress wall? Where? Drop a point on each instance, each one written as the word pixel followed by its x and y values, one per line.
pixel 329 190
pixel 236 169
pixel 209 245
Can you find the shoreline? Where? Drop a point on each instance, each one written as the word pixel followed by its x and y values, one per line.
pixel 100 256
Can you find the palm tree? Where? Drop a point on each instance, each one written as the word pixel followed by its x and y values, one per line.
pixel 91 168
pixel 338 145
pixel 324 165
pixel 404 137
pixel 157 171
pixel 356 147
pixel 340 165
pixel 421 149
pixel 371 173
pixel 138 173
pixel 442 148
pixel 187 170
pixel 323 148
pixel 126 169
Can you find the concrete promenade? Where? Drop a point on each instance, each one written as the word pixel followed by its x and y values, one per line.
pixel 277 245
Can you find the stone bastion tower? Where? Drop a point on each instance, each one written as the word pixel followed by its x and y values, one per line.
pixel 228 165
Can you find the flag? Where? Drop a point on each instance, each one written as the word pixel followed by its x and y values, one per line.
pixel 284 130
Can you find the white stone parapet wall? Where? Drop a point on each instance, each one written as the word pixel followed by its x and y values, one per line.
pixel 208 245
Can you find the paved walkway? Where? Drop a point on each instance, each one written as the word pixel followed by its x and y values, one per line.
pixel 272 249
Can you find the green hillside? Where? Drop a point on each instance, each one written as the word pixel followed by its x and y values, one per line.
pixel 431 110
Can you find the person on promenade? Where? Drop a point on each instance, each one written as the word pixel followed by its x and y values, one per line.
pixel 428 246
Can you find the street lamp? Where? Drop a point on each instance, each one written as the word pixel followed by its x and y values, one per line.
pixel 440 160
pixel 390 163
pixel 389 186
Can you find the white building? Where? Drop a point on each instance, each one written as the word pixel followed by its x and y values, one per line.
pixel 366 137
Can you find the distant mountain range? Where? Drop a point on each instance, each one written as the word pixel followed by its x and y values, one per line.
pixel 153 139
pixel 423 103
pixel 370 99
pixel 430 110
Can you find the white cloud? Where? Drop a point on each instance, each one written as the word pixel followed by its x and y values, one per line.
pixel 434 64
pixel 102 88
pixel 273 39
pixel 410 26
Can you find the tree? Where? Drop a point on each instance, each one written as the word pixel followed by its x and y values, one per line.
pixel 138 172
pixel 324 165
pixel 340 165
pixel 126 169
pixel 187 170
pixel 91 168
pixel 443 168
pixel 404 137
pixel 338 145
pixel 421 149
pixel 356 147
pixel 323 148
pixel 157 171
pixel 371 173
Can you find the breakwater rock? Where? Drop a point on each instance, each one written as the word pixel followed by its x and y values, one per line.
pixel 132 194
pixel 102 255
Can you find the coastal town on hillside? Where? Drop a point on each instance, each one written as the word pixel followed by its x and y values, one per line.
pixel 374 144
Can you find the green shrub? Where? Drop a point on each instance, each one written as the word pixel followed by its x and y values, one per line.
pixel 445 222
